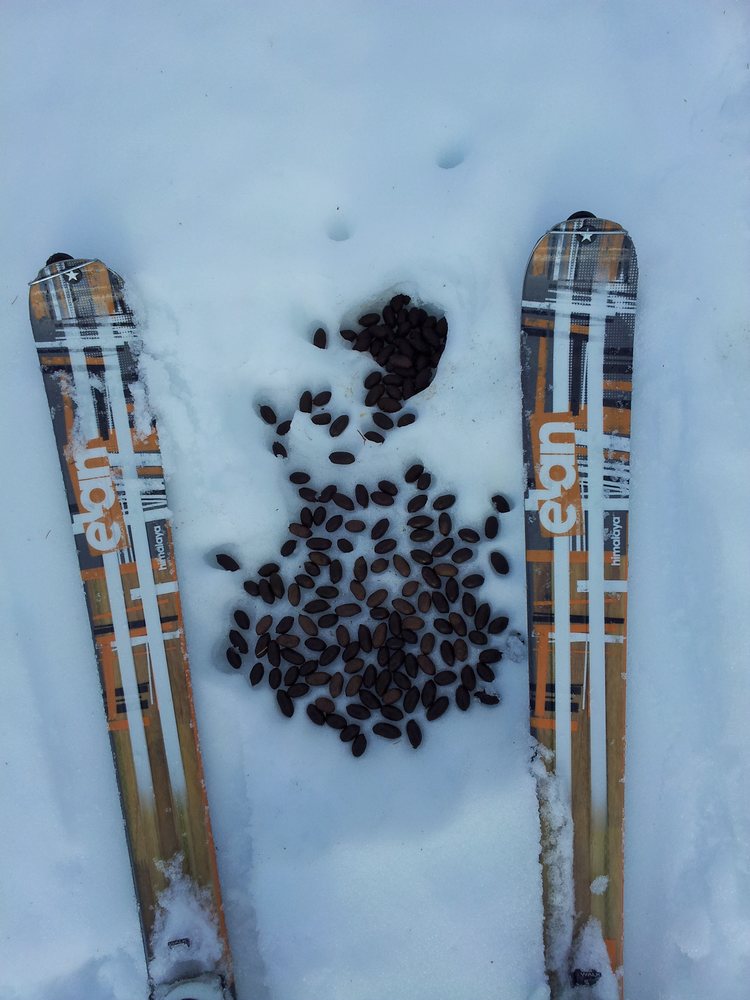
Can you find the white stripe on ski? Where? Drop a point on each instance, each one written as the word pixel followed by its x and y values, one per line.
pixel 561 562
pixel 129 678
pixel 137 523
pixel 596 587
pixel 608 586
pixel 89 430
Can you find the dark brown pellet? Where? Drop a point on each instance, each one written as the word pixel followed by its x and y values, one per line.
pixel 482 615
pixel 277 585
pixel 285 703
pixel 288 547
pixel 468 679
pixel 499 563
pixel 298 690
pixel 227 562
pixel 426 664
pixel 443 502
pixel 315 715
pixel 300 530
pixel 491 526
pixel 387 730
pixel 406 419
pixel 374 436
pixel 379 565
pixel 267 414
pixel 442 548
pixel 413 473
pixel 320 338
pixel 233 658
pixel 381 499
pixel 341 458
pixel 242 618
pixel 355 525
pixel 348 733
pixel 321 419
pixel 486 673
pixel 424 602
pixel 322 398
pixel 263 624
pixel 490 656
pixel 357 711
pixel 256 674
pixel 274 678
pixel 359 745
pixel 336 722
pixel 424 481
pixel 414 733
pixel 299 478
pixel 401 565
pixel 462 698
pixel 348 610
pixel 339 425
pixel 384 546
pixel 369 319
pixel 251 587
pixel 377 597
pixel 336 684
pixel 445 677
pixel 353 684
pixel 486 698
pixel 382 421
pixel 468 535
pixel 327 494
pixel 279 450
pixel 430 577
pixel 335 571
pixel 293 595
pixel 437 708
pixel 343 501
pixel 305 401
pixel 498 625
pixel 416 503
pixel 500 504
pixel 348 334
pixel 318 679
pixel 473 580
pixel 238 640
pixel 358 590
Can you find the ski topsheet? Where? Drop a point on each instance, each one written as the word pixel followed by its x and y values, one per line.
pixel 577 328
pixel 112 468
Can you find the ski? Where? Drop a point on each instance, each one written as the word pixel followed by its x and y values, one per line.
pixel 577 325
pixel 108 447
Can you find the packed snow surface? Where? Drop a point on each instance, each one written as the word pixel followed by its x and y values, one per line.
pixel 256 171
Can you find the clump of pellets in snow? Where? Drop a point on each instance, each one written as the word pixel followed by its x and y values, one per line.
pixel 372 620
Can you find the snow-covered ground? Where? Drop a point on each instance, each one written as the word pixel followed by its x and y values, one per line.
pixel 257 170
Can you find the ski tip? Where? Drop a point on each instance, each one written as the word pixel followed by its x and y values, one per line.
pixel 581 215
pixel 57 258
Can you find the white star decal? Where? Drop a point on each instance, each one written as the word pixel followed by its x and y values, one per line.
pixel 586 236
pixel 72 277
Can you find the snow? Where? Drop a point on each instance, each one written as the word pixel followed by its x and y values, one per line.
pixel 256 171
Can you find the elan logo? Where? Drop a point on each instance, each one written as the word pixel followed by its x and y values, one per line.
pixel 558 493
pixel 97 498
